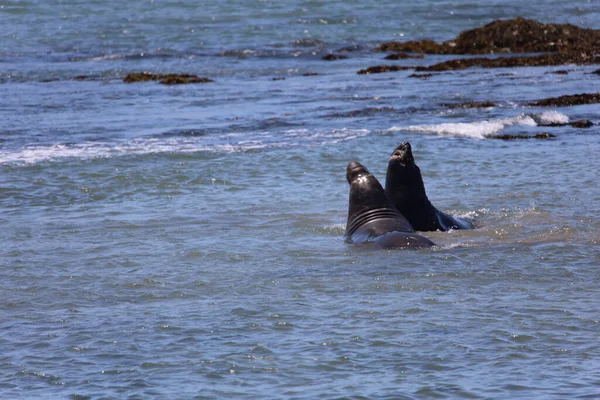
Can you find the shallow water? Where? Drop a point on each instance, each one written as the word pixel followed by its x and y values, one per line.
pixel 186 241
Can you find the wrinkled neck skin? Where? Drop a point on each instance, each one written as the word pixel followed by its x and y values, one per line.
pixel 370 206
pixel 366 194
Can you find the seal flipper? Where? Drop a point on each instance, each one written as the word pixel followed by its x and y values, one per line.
pixel 448 222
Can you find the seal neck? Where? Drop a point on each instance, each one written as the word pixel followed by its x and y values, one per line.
pixel 356 221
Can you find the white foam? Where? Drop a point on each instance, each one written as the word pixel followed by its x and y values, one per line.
pixel 39 153
pixel 481 129
pixel 219 143
pixel 551 117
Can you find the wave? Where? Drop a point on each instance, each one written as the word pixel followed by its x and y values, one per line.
pixel 160 54
pixel 216 143
pixel 486 128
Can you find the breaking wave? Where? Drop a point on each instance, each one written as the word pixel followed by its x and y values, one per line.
pixel 486 128
pixel 218 143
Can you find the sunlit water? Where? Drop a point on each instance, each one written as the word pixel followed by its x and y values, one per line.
pixel 186 241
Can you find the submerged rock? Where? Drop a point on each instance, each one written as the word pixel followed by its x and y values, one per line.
pixel 421 76
pixel 583 123
pixel 351 48
pixel 518 35
pixel 472 104
pixel 415 46
pixel 517 137
pixel 141 77
pixel 177 79
pixel 165 79
pixel 402 56
pixel 378 69
pixel 334 57
pixel 568 100
pixel 518 61
pixel 365 112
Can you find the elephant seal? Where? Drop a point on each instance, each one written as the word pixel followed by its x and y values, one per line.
pixel 372 218
pixel 404 186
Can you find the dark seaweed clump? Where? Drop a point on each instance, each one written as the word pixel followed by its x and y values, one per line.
pixel 517 61
pixel 165 79
pixel 568 100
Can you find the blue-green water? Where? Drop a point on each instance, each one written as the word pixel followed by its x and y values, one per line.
pixel 186 241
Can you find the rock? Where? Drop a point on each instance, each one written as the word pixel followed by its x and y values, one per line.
pixel 522 35
pixel 544 136
pixel 351 48
pixel 141 77
pixel 382 68
pixel 308 42
pixel 553 124
pixel 518 61
pixel 334 57
pixel 518 35
pixel 415 46
pixel 472 104
pixel 178 79
pixel 402 56
pixel 583 123
pixel 568 100
pixel 168 79
pixel 421 76
pixel 516 137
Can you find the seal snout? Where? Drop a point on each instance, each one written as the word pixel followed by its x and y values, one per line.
pixel 402 153
pixel 355 169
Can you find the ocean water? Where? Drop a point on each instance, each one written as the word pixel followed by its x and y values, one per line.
pixel 187 241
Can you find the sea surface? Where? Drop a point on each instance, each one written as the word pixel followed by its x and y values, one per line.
pixel 186 241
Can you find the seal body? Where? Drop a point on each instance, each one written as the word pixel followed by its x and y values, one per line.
pixel 404 186
pixel 372 218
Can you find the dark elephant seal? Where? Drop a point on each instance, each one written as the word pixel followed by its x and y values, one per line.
pixel 404 186
pixel 372 218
